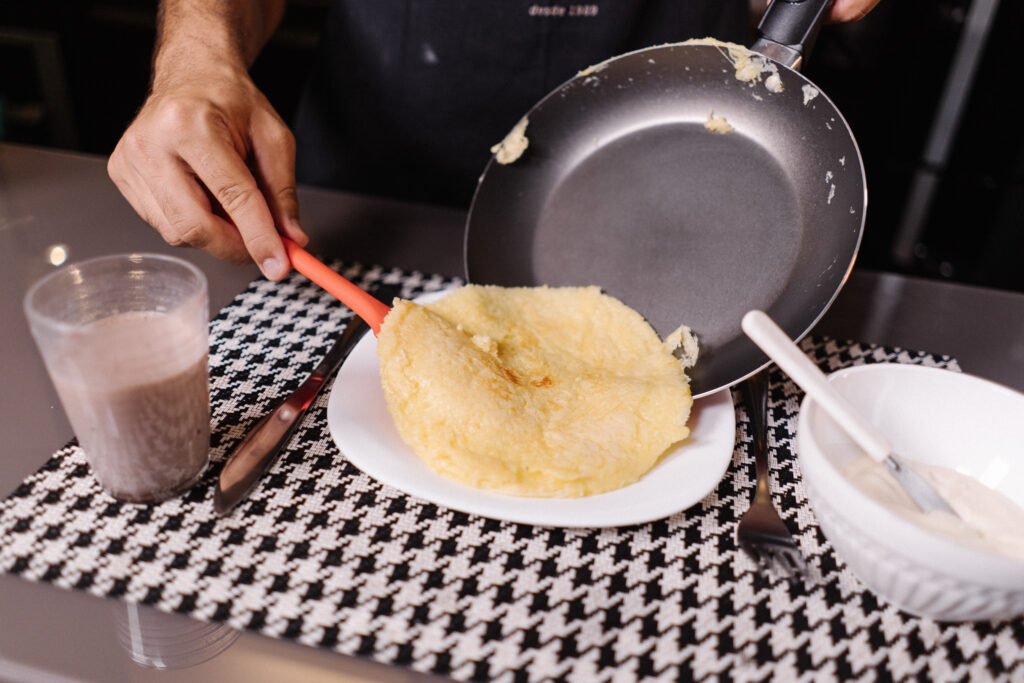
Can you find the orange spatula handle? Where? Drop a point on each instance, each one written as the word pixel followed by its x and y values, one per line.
pixel 365 305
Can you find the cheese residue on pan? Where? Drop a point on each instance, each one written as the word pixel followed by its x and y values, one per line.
pixel 532 391
pixel 593 69
pixel 717 124
pixel 514 144
pixel 750 67
pixel 810 92
pixel 682 343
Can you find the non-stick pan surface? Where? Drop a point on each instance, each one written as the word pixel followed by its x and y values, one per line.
pixel 624 186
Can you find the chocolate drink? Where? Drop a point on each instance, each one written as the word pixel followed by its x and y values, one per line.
pixel 140 406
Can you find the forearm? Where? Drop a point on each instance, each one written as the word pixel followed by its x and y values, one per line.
pixel 198 34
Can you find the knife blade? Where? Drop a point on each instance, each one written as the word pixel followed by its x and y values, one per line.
pixel 263 443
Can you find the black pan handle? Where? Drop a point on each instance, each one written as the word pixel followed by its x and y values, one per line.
pixel 788 29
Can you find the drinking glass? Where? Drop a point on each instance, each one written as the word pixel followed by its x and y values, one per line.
pixel 169 641
pixel 125 342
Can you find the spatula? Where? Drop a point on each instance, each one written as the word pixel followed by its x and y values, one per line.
pixel 788 356
pixel 364 304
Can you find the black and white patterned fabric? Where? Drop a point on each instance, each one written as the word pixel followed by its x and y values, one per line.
pixel 324 555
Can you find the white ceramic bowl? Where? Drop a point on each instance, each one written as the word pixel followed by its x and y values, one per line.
pixel 932 416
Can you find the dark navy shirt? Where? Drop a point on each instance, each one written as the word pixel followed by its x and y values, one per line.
pixel 407 96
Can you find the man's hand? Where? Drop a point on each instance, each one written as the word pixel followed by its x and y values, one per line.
pixel 850 10
pixel 207 161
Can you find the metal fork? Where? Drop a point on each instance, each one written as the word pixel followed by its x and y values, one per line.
pixel 761 532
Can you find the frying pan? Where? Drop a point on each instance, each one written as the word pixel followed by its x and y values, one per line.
pixel 624 185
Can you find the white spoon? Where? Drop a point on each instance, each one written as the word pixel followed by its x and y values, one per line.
pixel 788 356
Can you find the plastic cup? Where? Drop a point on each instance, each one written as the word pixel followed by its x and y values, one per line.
pixel 125 342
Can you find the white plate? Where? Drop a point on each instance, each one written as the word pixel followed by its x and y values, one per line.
pixel 359 422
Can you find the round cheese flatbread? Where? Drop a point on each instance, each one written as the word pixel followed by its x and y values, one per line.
pixel 532 391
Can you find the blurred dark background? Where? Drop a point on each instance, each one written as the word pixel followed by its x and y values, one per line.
pixel 924 84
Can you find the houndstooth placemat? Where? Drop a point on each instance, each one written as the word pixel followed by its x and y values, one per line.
pixel 323 555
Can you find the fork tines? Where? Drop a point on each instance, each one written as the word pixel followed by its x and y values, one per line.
pixel 783 559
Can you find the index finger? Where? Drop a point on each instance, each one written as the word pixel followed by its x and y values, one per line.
pixel 224 173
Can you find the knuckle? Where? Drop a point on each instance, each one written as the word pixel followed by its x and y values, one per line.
pixel 135 146
pixel 133 139
pixel 114 168
pixel 234 196
pixel 187 119
pixel 190 234
pixel 261 245
pixel 287 195
pixel 173 239
pixel 282 137
pixel 178 113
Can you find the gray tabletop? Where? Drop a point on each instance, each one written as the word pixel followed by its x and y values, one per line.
pixel 51 198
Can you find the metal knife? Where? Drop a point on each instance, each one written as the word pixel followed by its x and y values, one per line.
pixel 261 446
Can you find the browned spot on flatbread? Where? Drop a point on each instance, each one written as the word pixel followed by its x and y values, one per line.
pixel 546 382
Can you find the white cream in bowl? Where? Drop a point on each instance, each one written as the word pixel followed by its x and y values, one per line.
pixel 937 419
pixel 985 519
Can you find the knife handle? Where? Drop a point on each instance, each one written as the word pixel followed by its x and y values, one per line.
pixel 261 446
